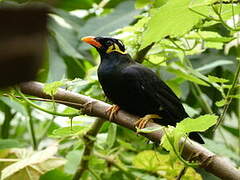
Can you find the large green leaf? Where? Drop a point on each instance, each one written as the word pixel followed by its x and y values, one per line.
pixel 73 159
pixel 111 138
pixel 57 67
pixel 172 19
pixel 199 124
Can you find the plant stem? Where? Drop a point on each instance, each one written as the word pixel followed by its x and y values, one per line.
pixel 223 22
pixel 110 160
pixel 42 109
pixel 47 100
pixel 199 95
pixel 31 128
pixel 228 97
pixel 89 144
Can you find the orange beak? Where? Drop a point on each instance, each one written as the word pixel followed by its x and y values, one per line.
pixel 91 40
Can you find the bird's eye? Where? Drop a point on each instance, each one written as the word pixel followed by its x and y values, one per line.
pixel 108 43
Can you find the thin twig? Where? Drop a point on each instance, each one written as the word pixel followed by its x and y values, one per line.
pixel 42 109
pixel 228 97
pixel 31 128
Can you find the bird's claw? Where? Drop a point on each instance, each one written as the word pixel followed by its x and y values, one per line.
pixel 112 111
pixel 142 122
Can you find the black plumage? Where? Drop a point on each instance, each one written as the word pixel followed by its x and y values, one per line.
pixel 135 88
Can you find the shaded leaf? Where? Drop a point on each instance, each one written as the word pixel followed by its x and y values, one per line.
pixel 112 132
pixel 188 77
pixel 73 160
pixel 56 174
pixel 10 143
pixel 232 130
pixel 69 131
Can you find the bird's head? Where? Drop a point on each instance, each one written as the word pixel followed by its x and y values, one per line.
pixel 105 45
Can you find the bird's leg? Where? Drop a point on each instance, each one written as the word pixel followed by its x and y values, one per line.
pixel 141 123
pixel 112 111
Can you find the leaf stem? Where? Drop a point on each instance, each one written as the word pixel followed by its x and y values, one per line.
pixel 223 22
pixel 228 96
pixel 197 92
pixel 31 128
pixel 42 109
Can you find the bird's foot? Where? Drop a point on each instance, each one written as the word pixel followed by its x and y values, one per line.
pixel 112 111
pixel 142 122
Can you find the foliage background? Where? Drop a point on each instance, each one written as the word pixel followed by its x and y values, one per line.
pixel 195 51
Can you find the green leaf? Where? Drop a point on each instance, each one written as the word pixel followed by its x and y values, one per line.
pixel 112 132
pixel 55 174
pixel 221 103
pixel 188 76
pixel 232 130
pixel 57 67
pixel 221 149
pixel 217 79
pixel 10 143
pixel 14 104
pixel 235 96
pixel 73 160
pixel 149 160
pixel 149 129
pixel 172 19
pixel 199 124
pixel 142 3
pixel 51 88
pixel 214 64
pixel 69 131
pixel 65 37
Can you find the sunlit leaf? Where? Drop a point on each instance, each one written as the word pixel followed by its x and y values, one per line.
pixel 51 88
pixel 69 131
pixel 202 123
pixel 217 79
pixel 221 103
pixel 111 138
pixel 172 19
pixel 149 129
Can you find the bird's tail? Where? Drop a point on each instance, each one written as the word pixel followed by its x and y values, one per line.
pixel 196 137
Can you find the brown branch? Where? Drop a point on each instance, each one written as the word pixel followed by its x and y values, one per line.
pixel 209 161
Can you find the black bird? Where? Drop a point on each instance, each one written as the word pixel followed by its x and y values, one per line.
pixel 135 88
